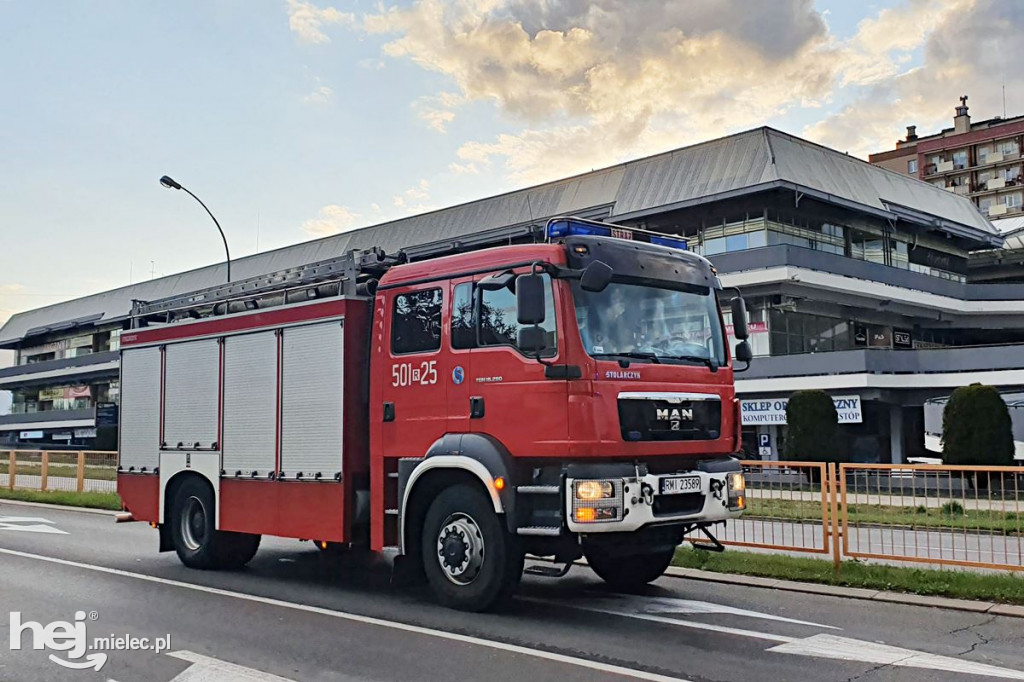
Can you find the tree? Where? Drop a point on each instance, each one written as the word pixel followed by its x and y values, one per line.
pixel 976 428
pixel 812 433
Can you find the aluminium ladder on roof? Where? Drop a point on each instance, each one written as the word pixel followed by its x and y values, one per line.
pixel 348 271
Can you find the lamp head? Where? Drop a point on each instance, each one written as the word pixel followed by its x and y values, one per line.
pixel 168 182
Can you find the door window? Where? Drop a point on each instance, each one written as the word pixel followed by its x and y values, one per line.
pixel 416 322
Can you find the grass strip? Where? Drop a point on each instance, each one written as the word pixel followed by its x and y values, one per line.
pixel 1003 588
pixel 951 515
pixel 94 500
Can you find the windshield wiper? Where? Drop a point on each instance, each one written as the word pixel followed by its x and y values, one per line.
pixel 633 354
pixel 707 362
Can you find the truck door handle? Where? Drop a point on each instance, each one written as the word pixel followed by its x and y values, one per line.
pixel 389 412
pixel 476 407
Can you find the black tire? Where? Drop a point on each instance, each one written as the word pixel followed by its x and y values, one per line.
pixel 630 572
pixel 490 559
pixel 195 538
pixel 239 548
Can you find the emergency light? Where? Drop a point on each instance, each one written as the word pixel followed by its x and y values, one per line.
pixel 561 228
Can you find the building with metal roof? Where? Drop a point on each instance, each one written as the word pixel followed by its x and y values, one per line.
pixel 852 272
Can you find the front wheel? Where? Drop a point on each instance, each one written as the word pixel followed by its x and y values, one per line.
pixel 471 561
pixel 630 572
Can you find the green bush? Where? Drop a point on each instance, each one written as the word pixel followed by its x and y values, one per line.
pixel 976 428
pixel 812 433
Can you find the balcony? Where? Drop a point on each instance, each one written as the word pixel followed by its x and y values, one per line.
pixel 51 419
pixel 995 183
pixel 796 256
pixel 997 210
pixel 81 369
pixel 866 371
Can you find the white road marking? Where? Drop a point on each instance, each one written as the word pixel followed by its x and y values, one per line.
pixel 821 645
pixel 694 625
pixel 653 605
pixel 831 646
pixel 207 669
pixel 29 524
pixel 366 620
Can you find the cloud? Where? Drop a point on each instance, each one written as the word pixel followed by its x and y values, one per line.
pixel 331 219
pixel 321 95
pixel 307 20
pixel 969 51
pixel 439 110
pixel 581 84
pixel 599 80
pixel 413 199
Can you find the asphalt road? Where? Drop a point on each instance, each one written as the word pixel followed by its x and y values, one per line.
pixel 297 614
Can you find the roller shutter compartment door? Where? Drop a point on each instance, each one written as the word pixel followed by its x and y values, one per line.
pixel 192 386
pixel 311 400
pixel 140 408
pixel 250 404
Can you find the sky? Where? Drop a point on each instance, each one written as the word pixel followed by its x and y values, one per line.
pixel 294 119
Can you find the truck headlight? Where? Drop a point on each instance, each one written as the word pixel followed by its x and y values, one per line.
pixel 596 501
pixel 594 490
pixel 737 491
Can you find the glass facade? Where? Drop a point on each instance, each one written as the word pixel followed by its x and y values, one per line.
pixel 894 250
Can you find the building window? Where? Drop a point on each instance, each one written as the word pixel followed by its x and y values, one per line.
pixel 1008 147
pixel 416 322
pixel 960 159
pixel 1013 200
pixel 912 167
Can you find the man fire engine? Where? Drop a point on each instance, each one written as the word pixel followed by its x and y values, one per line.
pixel 571 396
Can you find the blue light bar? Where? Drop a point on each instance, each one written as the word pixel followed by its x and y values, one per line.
pixel 559 229
pixel 568 228
pixel 671 242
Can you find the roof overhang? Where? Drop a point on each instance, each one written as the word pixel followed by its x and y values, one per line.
pixel 895 211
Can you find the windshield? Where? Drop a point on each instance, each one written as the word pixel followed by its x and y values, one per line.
pixel 650 322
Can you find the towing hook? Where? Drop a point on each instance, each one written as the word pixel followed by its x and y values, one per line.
pixel 717 485
pixel 647 492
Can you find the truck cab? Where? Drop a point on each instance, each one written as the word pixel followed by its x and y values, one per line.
pixel 580 389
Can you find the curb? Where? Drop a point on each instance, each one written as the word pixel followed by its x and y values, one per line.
pixel 991 608
pixel 61 507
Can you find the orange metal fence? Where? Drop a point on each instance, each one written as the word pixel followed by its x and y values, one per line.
pixel 940 515
pixel 58 470
pixel 787 508
pixel 948 515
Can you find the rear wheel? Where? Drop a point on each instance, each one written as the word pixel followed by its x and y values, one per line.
pixel 196 540
pixel 630 572
pixel 471 561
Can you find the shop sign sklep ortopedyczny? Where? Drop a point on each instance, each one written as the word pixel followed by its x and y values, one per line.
pixel 773 410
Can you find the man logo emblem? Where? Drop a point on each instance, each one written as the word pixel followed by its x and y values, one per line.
pixel 675 413
pixel 458 375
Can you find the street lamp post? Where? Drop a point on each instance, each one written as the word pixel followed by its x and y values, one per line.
pixel 169 183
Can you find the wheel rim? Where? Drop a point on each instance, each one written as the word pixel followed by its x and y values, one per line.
pixel 193 523
pixel 460 548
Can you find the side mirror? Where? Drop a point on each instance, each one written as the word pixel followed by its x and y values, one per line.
pixel 743 353
pixel 531 339
pixel 739 319
pixel 596 276
pixel 530 299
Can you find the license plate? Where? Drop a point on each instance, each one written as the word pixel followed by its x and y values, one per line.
pixel 680 484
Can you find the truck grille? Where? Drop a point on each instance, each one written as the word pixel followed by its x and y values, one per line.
pixel 673 505
pixel 664 420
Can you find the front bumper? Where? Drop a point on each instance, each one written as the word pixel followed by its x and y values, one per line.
pixel 639 502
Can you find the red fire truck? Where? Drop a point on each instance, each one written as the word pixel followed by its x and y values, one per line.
pixel 461 407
